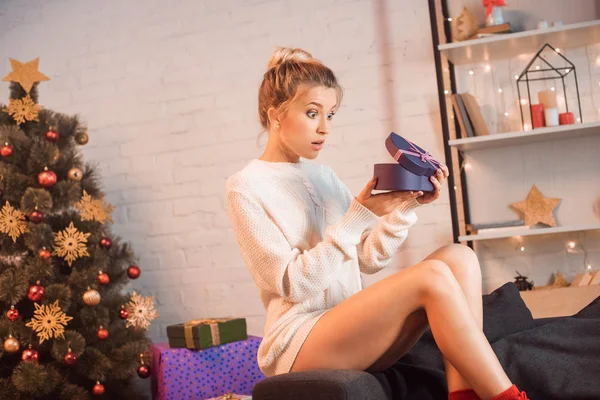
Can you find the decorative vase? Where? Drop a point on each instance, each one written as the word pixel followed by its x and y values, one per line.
pixel 496 17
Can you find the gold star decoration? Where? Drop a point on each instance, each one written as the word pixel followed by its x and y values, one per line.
pixel 70 244
pixel 26 74
pixel 536 208
pixel 12 221
pixel 93 209
pixel 48 321
pixel 141 311
pixel 23 110
pixel 560 281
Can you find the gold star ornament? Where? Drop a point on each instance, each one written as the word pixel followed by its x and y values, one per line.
pixel 23 110
pixel 141 311
pixel 48 321
pixel 12 221
pixel 91 209
pixel 536 208
pixel 70 244
pixel 26 74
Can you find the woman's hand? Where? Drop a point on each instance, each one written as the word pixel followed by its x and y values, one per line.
pixel 382 204
pixel 437 180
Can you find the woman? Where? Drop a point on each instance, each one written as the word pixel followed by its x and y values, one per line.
pixel 306 239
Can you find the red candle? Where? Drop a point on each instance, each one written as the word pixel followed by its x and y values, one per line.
pixel 537 112
pixel 566 118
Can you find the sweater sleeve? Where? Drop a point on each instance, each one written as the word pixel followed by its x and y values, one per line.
pixel 379 243
pixel 278 267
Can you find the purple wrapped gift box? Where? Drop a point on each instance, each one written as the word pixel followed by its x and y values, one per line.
pixel 201 374
pixel 412 171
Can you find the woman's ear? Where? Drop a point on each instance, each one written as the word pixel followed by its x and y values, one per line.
pixel 273 117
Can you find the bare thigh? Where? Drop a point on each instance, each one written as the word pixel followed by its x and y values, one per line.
pixel 387 315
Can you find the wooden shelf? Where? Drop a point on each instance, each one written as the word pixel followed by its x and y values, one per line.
pixel 528 232
pixel 513 44
pixel 559 302
pixel 525 137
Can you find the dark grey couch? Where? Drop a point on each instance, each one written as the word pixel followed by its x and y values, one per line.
pixel 504 314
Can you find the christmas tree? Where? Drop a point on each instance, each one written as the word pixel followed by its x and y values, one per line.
pixel 68 328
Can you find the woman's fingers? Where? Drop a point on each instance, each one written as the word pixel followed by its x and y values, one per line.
pixel 366 192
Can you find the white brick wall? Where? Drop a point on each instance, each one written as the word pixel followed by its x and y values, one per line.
pixel 169 95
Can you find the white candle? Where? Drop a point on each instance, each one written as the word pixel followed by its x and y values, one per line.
pixel 551 116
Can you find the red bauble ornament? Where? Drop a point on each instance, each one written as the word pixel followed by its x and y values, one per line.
pixel 52 136
pixel 12 314
pixel 45 254
pixel 102 333
pixel 103 278
pixel 143 371
pixel 36 217
pixel 98 389
pixel 29 354
pixel 123 313
pixel 105 243
pixel 133 272
pixel 36 292
pixel 47 178
pixel 6 150
pixel 70 358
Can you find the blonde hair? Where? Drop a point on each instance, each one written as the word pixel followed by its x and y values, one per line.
pixel 288 69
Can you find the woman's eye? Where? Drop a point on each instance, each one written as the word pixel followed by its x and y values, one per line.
pixel 330 116
pixel 312 114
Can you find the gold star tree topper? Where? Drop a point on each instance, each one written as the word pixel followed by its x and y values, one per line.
pixel 141 311
pixel 91 209
pixel 12 221
pixel 48 321
pixel 536 208
pixel 26 74
pixel 70 244
pixel 23 110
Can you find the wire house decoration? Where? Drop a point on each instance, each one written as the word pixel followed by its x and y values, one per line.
pixel 549 72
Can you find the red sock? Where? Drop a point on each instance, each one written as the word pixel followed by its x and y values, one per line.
pixel 464 394
pixel 512 393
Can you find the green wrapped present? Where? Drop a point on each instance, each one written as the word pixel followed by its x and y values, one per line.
pixel 204 333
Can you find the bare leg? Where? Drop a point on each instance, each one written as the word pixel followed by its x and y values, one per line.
pixel 337 340
pixel 465 267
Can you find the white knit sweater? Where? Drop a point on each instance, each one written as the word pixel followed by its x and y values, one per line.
pixel 305 240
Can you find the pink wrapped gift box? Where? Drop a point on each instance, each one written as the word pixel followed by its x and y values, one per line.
pixel 201 374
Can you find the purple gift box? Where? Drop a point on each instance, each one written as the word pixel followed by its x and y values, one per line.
pixel 412 171
pixel 201 374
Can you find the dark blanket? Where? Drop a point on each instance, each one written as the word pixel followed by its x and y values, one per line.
pixel 549 359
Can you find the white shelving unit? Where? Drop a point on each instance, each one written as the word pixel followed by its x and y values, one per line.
pixel 529 232
pixel 525 137
pixel 513 44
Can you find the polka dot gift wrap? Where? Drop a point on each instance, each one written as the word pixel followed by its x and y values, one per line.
pixel 182 374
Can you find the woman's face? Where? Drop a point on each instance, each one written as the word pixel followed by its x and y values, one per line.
pixel 304 127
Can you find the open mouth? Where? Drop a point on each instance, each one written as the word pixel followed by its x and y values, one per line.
pixel 318 142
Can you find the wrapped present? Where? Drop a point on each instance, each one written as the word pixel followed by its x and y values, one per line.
pixel 204 333
pixel 231 396
pixel 412 171
pixel 183 374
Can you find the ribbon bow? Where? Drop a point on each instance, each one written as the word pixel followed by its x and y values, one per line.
pixel 488 4
pixel 423 156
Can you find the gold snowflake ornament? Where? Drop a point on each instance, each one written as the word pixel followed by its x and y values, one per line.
pixel 23 110
pixel 12 221
pixel 141 311
pixel 91 209
pixel 48 321
pixel 70 244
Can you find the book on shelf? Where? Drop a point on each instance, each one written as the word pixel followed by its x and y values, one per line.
pixel 501 224
pixel 502 28
pixel 475 115
pixel 512 229
pixel 462 117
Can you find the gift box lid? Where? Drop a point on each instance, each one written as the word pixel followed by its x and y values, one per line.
pixel 411 156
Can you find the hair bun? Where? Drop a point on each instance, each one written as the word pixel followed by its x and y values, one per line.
pixel 284 54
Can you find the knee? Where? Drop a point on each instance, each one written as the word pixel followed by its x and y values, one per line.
pixel 461 259
pixel 438 279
